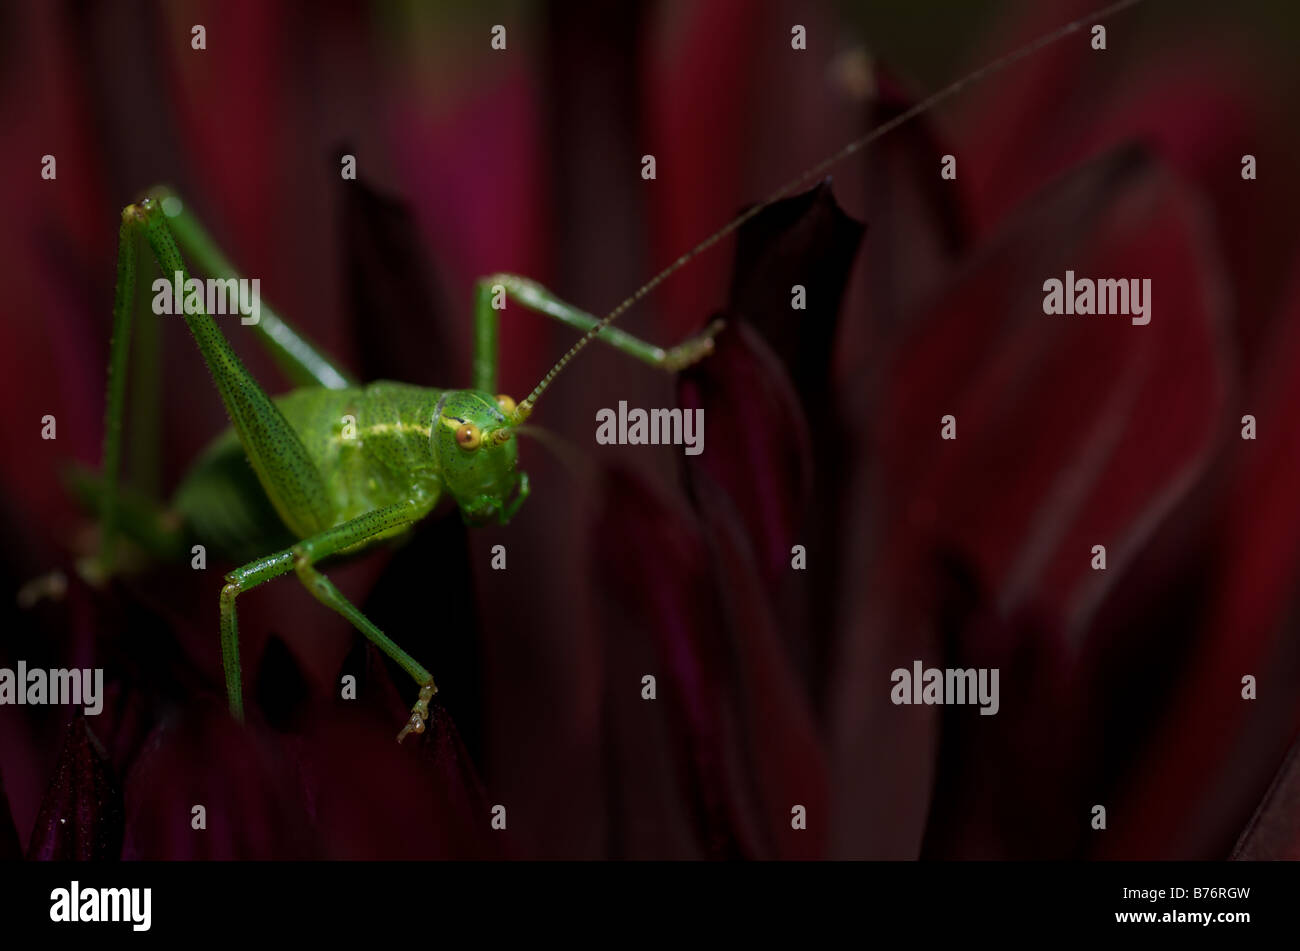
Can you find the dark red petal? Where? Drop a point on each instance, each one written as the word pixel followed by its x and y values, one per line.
pixel 451 762
pixel 1246 628
pixel 54 257
pixel 669 780
pixel 471 158
pixel 241 776
pixel 81 815
pixel 805 240
pixel 398 316
pixel 9 847
pixel 756 442
pixel 1071 432
pixel 882 755
pixel 442 745
pixel 696 189
pixel 281 689
pixel 917 230
pixel 733 697
pixel 777 743
pixel 1199 99
pixel 1274 830
pixel 373 799
pixel 973 813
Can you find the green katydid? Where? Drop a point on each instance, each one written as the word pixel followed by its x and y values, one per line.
pixel 337 490
pixel 337 495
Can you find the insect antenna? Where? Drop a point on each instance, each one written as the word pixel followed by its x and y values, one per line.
pixel 560 448
pixel 929 102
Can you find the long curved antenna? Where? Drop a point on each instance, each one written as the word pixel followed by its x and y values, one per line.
pixel 560 448
pixel 947 92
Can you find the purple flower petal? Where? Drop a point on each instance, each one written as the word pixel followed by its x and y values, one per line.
pixel 1072 431
pixel 373 799
pixel 757 446
pixel 252 807
pixel 398 316
pixel 1106 464
pixel 1245 627
pixel 9 847
pixel 281 691
pixel 917 232
pixel 441 745
pixel 777 741
pixel 806 240
pixel 1274 830
pixel 670 787
pixel 81 815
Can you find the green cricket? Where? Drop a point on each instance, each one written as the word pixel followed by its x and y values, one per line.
pixel 337 466
pixel 344 466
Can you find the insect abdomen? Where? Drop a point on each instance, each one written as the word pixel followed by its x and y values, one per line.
pixel 224 506
pixel 370 443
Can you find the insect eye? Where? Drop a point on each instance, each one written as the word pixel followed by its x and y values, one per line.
pixel 505 404
pixel 468 436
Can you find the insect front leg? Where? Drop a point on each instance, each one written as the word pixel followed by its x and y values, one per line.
pixel 521 494
pixel 534 297
pixel 301 559
pixel 237 582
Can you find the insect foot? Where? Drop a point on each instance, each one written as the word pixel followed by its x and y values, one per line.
pixel 419 712
pixel 694 349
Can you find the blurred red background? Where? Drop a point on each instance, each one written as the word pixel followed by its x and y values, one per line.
pixel 1123 689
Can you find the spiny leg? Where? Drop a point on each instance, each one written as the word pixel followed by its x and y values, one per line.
pixel 237 582
pixel 302 558
pixel 291 480
pixel 534 297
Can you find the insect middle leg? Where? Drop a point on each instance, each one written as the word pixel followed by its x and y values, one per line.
pixel 534 297
pixel 301 559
